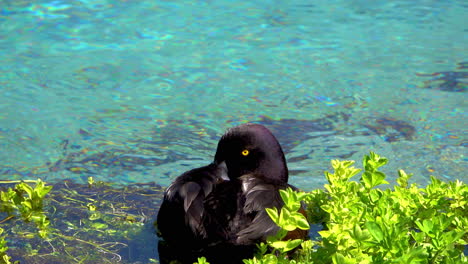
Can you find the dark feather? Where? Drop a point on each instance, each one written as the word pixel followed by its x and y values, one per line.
pixel 181 215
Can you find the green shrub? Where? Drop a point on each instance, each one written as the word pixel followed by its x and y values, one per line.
pixel 364 224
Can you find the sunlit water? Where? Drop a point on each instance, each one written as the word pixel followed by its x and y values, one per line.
pixel 140 91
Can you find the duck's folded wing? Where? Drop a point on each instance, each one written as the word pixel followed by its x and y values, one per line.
pixel 192 195
pixel 259 195
pixel 182 211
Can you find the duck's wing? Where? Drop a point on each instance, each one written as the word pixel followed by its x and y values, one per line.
pixel 259 195
pixel 182 211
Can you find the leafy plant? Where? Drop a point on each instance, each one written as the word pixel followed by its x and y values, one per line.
pixel 288 219
pixel 4 258
pixel 97 223
pixel 28 202
pixel 364 224
pixel 201 260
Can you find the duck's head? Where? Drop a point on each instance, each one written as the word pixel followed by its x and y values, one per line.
pixel 251 149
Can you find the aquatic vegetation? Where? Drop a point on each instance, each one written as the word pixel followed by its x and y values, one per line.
pixel 86 223
pixel 28 202
pixel 4 258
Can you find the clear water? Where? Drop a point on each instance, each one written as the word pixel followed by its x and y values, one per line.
pixel 140 91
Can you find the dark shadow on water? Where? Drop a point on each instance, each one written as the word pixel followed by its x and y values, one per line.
pixel 448 81
pixel 143 246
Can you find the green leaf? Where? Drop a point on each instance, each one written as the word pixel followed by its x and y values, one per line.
pixel 201 260
pixel 373 161
pixel 41 193
pixel 338 258
pixel 378 178
pixel 292 244
pixel 375 195
pixel 301 222
pixel 403 178
pixel 278 244
pixel 286 221
pixel 285 195
pixel 375 230
pixel 27 204
pixel 366 178
pixel 285 246
pixel 269 259
pixel 99 225
pixel 291 198
pixel 273 213
pixel 426 226
pixel 419 237
pixel 372 179
pixel 26 188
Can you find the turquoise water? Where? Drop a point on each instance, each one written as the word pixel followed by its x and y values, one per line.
pixel 140 91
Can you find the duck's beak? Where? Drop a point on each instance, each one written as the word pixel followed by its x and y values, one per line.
pixel 223 171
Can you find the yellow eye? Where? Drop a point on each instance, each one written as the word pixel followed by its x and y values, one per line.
pixel 245 152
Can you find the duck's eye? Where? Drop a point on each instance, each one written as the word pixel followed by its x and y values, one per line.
pixel 245 152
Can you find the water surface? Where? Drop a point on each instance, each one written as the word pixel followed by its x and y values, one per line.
pixel 140 91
